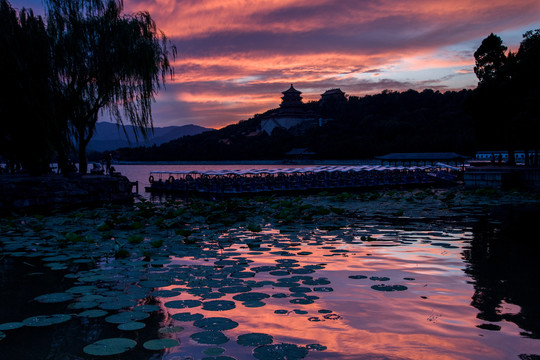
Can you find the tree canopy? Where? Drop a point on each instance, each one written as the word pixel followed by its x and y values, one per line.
pixel 105 61
pixel 28 127
pixel 505 103
pixel 88 59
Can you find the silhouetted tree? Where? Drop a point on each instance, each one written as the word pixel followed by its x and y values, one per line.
pixel 505 102
pixel 527 79
pixel 28 124
pixel 490 59
pixel 105 61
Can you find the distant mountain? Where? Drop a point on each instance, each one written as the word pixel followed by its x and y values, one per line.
pixel 109 136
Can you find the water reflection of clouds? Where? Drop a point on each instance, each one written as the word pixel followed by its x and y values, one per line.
pixel 431 319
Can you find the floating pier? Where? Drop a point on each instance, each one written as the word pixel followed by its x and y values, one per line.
pixel 296 179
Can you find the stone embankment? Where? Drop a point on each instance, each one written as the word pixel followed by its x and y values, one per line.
pixel 27 193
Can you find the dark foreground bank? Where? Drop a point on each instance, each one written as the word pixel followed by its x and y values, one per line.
pixel 26 193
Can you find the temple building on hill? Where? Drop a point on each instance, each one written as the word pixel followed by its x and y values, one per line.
pixel 333 96
pixel 291 112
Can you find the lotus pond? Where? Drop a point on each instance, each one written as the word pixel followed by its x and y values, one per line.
pixel 266 278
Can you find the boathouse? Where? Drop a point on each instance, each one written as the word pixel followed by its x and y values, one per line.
pixel 410 159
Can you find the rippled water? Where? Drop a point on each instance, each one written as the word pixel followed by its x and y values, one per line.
pixel 374 289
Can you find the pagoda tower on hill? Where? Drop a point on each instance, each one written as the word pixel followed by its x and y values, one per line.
pixel 291 98
pixel 291 112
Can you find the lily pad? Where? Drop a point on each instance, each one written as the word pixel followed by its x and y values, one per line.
pixel 358 277
pixel 215 323
pixel 253 304
pixel 117 304
pixel 186 316
pixel 210 337
pixel 323 289
pixel 234 289
pixel 164 293
pixel 46 320
pixel 170 329
pixel 110 346
pixel 319 281
pixel 11 325
pixel 280 352
pixel 316 347
pixel 252 296
pixel 254 339
pixel 182 304
pixel 160 344
pixel 218 305
pixel 126 316
pixel 301 301
pixel 146 308
pixel 491 327
pixel 213 351
pixel 383 287
pixel 130 326
pixel 93 313
pixel 54 298
pixel 379 278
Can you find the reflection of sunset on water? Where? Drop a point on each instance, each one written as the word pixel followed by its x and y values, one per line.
pixel 432 319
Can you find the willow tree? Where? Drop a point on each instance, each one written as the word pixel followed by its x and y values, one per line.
pixel 105 62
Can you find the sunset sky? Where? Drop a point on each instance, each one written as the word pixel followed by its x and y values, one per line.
pixel 237 56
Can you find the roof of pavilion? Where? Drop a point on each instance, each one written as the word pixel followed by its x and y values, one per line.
pixel 439 156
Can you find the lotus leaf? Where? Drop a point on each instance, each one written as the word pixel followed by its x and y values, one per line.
pixel 126 316
pixel 254 339
pixel 210 337
pixel 280 352
pixel 170 329
pixel 323 289
pixel 218 305
pixel 186 316
pixel 182 304
pixel 93 313
pixel 164 293
pixel 234 289
pixel 316 347
pixel 253 304
pixel 11 325
pixel 383 287
pixel 54 298
pixel 146 308
pixel 134 325
pixel 160 344
pixel 215 323
pixel 252 296
pixel 302 301
pixel 213 351
pixel 46 320
pixel 110 346
pixel 358 277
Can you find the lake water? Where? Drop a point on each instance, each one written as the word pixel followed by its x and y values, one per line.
pixel 328 287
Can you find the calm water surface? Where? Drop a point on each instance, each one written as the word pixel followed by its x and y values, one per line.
pixel 375 289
